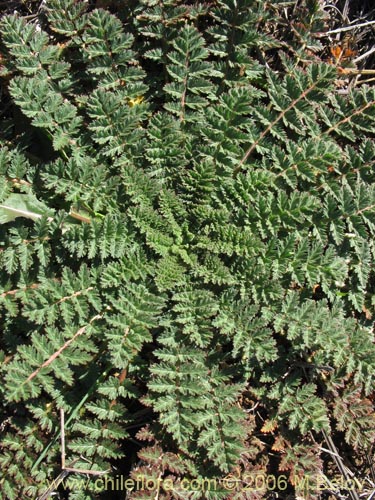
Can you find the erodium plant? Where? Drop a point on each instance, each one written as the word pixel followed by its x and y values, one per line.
pixel 187 210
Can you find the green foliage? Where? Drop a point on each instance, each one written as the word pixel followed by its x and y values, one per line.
pixel 187 223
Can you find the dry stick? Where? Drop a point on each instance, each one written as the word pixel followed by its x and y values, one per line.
pixel 337 10
pixel 363 56
pixel 62 434
pixel 80 217
pixel 359 82
pixel 340 464
pixel 55 483
pixel 349 28
pixel 66 470
pixel 345 10
pixel 354 71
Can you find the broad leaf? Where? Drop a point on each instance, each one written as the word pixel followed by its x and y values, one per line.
pixel 22 205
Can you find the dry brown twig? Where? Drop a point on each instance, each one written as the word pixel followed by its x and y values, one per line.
pixel 344 471
pixel 66 470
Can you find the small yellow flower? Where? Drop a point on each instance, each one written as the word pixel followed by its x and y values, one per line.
pixel 137 100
